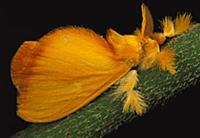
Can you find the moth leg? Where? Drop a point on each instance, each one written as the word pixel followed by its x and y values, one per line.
pixel 182 23
pixel 133 101
pixel 178 26
pixel 166 60
pixel 159 37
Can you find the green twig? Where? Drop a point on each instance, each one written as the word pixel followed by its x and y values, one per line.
pixel 104 114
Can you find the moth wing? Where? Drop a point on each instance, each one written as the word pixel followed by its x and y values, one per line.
pixel 147 21
pixel 62 72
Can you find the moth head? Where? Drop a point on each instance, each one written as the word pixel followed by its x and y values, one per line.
pixel 126 47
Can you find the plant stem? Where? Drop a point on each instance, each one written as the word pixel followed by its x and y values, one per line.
pixel 105 114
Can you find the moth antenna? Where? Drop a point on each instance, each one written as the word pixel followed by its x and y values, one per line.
pixel 134 101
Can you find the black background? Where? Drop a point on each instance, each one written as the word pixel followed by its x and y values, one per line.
pixel 30 20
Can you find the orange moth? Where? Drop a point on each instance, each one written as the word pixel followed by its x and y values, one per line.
pixel 71 66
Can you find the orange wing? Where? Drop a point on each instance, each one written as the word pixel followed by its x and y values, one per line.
pixel 61 72
pixel 147 21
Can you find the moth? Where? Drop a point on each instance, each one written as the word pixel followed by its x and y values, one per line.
pixel 70 66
